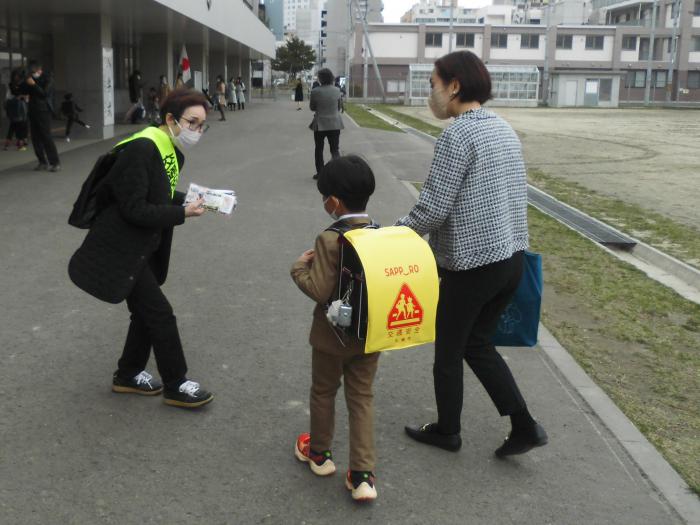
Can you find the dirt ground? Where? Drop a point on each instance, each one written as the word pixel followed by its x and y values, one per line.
pixel 646 157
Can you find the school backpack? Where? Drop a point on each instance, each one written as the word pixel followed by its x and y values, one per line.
pixel 352 287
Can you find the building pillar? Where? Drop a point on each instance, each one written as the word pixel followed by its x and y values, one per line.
pixel 486 44
pixel 156 59
pixel 87 70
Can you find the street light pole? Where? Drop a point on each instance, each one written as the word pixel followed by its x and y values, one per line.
pixel 647 87
pixel 677 5
pixel 452 11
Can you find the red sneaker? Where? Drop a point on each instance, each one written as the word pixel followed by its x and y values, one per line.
pixel 362 485
pixel 320 463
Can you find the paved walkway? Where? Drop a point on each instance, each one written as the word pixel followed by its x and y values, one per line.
pixel 73 452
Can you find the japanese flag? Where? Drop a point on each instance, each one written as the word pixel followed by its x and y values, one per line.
pixel 185 65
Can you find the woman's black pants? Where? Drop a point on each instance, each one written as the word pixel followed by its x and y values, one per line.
pixel 152 325
pixel 470 305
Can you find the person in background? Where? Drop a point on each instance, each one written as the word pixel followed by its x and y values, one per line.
pixel 474 207
pixel 152 104
pixel 71 110
pixel 299 94
pixel 342 94
pixel 231 95
pixel 179 82
pixel 17 114
pixel 240 93
pixel 221 96
pixel 327 123
pixel 164 88
pixel 134 114
pixel 37 88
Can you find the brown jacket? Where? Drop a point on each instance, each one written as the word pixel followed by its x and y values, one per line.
pixel 319 281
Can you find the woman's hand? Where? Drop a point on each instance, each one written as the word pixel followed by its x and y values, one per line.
pixel 306 257
pixel 195 209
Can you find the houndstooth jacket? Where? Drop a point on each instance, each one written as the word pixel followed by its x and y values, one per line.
pixel 474 201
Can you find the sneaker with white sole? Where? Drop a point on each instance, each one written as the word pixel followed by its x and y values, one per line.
pixel 188 395
pixel 320 463
pixel 362 485
pixel 143 383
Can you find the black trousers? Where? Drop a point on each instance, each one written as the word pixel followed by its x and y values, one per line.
pixel 17 130
pixel 69 124
pixel 44 147
pixel 469 308
pixel 152 325
pixel 333 141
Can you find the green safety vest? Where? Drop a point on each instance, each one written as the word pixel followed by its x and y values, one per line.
pixel 167 152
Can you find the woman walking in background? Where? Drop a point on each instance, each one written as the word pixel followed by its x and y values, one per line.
pixel 299 94
pixel 231 94
pixel 221 96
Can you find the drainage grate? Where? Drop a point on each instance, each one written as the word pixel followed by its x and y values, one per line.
pixel 582 223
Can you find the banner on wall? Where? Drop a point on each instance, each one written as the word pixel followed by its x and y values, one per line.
pixel 108 85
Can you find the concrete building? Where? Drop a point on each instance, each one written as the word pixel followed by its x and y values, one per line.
pixel 91 47
pixel 274 9
pixel 438 11
pixel 608 59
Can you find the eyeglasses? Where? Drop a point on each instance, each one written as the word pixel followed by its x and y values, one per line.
pixel 195 125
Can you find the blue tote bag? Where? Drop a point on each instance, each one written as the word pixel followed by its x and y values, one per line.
pixel 519 323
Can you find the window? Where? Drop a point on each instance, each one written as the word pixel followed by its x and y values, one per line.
pixel 433 40
pixel 636 79
pixel 499 40
pixel 644 48
pixel 529 41
pixel 659 79
pixel 465 39
pixel 396 86
pixel 595 42
pixel 605 93
pixel 695 44
pixel 535 21
pixel 696 9
pixel 693 79
pixel 565 41
pixel 629 43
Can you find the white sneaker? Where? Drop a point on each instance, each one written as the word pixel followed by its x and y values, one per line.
pixel 362 485
pixel 67 139
pixel 87 126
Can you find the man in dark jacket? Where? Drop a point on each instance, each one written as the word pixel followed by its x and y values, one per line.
pixel 325 101
pixel 37 87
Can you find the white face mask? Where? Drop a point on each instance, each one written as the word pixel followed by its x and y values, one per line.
pixel 333 213
pixel 439 103
pixel 187 137
pixel 36 75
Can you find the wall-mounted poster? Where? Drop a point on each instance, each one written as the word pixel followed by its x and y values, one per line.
pixel 108 85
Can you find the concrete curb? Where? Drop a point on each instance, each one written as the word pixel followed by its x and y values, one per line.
pixel 655 468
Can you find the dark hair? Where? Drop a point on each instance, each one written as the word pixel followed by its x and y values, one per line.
pixel 34 65
pixel 350 179
pixel 179 100
pixel 325 77
pixel 471 73
pixel 68 96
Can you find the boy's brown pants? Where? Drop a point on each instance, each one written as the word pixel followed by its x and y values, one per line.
pixel 358 371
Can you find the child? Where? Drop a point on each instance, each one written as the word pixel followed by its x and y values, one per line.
pixel 346 184
pixel 17 114
pixel 71 111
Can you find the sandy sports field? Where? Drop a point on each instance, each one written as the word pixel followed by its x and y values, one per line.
pixel 646 157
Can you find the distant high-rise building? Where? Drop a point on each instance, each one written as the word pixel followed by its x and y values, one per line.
pixel 274 10
pixel 438 11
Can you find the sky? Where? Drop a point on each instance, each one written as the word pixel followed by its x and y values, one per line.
pixel 394 9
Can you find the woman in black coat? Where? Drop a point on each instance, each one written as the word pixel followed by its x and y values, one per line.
pixel 299 95
pixel 126 254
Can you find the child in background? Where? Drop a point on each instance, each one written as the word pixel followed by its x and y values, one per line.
pixel 17 114
pixel 346 184
pixel 71 110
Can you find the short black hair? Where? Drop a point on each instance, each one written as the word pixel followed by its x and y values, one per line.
pixel 350 179
pixel 68 96
pixel 34 65
pixel 471 73
pixel 325 76
pixel 179 100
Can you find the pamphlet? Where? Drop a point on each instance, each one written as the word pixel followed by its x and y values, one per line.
pixel 223 201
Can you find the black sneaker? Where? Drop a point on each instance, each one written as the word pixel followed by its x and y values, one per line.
pixel 520 442
pixel 142 383
pixel 188 395
pixel 362 485
pixel 430 435
pixel 41 167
